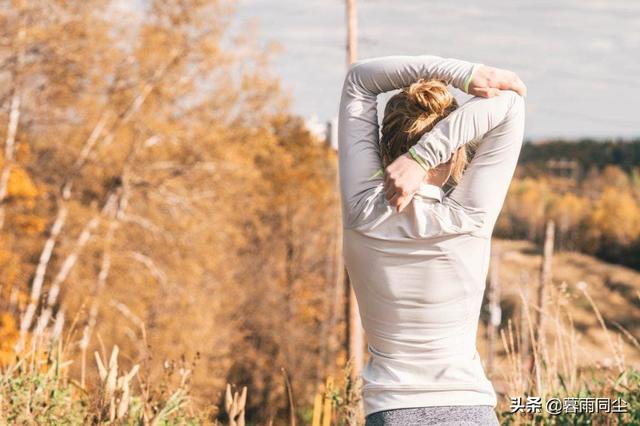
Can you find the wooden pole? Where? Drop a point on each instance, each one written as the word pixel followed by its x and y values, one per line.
pixel 327 408
pixel 352 32
pixel 524 325
pixel 355 331
pixel 545 281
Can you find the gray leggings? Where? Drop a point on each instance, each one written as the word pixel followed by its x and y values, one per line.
pixel 448 415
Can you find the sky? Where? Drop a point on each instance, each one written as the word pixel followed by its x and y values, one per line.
pixel 580 59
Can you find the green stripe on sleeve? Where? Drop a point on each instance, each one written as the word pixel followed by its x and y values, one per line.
pixel 378 173
pixel 468 79
pixel 416 157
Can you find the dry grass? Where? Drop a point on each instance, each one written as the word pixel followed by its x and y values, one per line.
pixel 588 348
pixel 38 389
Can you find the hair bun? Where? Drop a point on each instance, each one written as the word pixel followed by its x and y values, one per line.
pixel 411 113
pixel 432 96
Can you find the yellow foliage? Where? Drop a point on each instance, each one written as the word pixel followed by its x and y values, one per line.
pixel 9 334
pixel 616 216
pixel 527 202
pixel 8 337
pixel 21 185
pixel 615 177
pixel 10 269
pixel 568 210
pixel 30 224
pixel 23 153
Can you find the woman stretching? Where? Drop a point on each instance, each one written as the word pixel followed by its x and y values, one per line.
pixel 418 258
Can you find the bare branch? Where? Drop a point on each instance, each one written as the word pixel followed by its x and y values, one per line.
pixel 147 224
pixel 9 152
pixel 84 155
pixel 124 310
pixel 157 273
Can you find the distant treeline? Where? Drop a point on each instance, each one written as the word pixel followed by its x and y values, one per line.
pixel 587 153
pixel 589 188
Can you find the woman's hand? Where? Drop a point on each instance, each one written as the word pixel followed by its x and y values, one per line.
pixel 403 176
pixel 401 171
pixel 488 81
pixel 402 179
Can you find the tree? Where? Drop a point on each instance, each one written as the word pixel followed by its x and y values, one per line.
pixel 152 205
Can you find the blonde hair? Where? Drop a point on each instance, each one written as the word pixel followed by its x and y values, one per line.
pixel 411 113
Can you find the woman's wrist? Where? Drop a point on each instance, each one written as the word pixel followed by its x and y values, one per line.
pixel 474 68
pixel 418 159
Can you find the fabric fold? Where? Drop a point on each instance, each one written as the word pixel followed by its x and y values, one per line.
pixel 424 217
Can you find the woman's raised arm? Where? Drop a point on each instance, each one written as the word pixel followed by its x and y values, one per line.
pixel 358 146
pixel 498 124
pixel 403 176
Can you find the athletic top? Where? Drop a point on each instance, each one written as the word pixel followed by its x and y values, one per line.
pixel 419 275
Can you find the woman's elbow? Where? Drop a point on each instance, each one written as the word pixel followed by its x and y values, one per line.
pixel 517 104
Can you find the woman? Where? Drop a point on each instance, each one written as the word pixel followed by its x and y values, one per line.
pixel 418 258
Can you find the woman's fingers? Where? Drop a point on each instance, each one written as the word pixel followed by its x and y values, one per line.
pixel 487 81
pixel 486 92
pixel 402 179
pixel 511 81
pixel 520 88
pixel 390 194
pixel 399 201
pixel 394 201
pixel 403 202
pixel 394 195
pixel 390 189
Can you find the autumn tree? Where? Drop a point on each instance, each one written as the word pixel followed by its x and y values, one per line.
pixel 155 189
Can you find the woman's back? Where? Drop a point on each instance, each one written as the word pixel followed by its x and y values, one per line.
pixel 419 275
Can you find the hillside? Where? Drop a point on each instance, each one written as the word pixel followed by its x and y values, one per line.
pixel 614 289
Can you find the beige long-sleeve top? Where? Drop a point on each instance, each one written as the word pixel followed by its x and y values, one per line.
pixel 419 275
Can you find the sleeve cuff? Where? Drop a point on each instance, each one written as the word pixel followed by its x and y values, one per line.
pixel 465 86
pixel 419 160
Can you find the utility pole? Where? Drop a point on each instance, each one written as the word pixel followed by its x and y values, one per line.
pixel 352 32
pixel 354 325
pixel 545 282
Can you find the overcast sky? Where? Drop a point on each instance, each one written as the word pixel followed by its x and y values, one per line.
pixel 580 59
